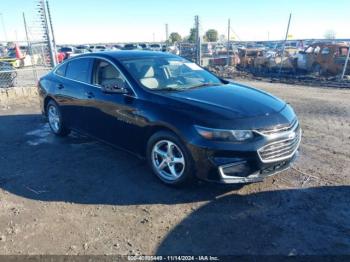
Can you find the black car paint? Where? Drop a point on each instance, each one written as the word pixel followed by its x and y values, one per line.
pixel 128 120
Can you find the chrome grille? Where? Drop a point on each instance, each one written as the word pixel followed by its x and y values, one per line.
pixel 279 129
pixel 282 149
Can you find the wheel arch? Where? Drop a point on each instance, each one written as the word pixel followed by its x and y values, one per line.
pixel 46 101
pixel 155 128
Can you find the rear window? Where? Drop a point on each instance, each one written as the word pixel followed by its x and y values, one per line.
pixel 61 70
pixel 79 69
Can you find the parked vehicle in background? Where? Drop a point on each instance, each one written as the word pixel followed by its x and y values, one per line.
pixel 132 47
pixel 248 55
pixel 86 47
pixel 184 120
pixel 118 46
pixel 323 58
pixel 67 51
pixel 144 46
pixel 173 49
pixel 98 48
pixel 155 47
pixel 79 52
pixel 219 48
pixel 60 56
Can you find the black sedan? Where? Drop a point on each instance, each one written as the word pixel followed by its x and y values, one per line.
pixel 185 121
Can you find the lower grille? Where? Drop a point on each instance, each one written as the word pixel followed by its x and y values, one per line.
pixel 280 150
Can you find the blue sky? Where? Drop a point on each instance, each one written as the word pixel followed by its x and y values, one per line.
pixel 87 21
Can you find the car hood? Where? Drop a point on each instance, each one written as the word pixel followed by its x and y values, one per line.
pixel 230 101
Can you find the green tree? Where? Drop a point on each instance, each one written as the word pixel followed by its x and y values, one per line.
pixel 192 37
pixel 174 37
pixel 212 35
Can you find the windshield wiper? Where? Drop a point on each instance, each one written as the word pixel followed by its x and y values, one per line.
pixel 170 89
pixel 205 84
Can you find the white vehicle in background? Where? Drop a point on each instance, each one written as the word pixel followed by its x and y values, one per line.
pixel 173 49
pixel 112 48
pixel 79 52
pixel 155 47
pixel 67 51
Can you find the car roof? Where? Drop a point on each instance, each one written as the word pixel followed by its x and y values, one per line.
pixel 126 54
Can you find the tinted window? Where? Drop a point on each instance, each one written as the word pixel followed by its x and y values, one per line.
pixel 105 74
pixel 61 70
pixel 79 69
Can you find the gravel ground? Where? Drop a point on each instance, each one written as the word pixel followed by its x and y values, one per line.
pixel 77 196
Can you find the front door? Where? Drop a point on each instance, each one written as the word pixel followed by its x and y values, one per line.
pixel 110 116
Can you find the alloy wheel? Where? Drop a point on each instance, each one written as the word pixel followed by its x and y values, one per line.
pixel 168 160
pixel 54 118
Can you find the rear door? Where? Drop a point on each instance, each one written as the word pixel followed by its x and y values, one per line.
pixel 70 90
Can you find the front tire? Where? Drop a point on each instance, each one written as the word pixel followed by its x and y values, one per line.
pixel 169 159
pixel 55 119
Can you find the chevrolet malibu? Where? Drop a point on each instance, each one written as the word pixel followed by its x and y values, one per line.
pixel 187 122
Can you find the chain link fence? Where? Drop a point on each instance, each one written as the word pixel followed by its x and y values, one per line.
pixel 22 64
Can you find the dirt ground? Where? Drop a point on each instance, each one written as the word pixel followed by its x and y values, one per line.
pixel 77 196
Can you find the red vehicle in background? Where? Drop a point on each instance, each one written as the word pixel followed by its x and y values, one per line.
pixel 60 57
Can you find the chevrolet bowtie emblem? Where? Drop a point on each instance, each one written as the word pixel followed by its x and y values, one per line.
pixel 292 135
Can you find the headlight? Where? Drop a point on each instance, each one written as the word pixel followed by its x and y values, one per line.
pixel 224 135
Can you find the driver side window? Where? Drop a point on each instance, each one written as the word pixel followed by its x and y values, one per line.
pixel 106 75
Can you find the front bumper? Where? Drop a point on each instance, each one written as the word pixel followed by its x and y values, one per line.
pixel 248 164
pixel 226 171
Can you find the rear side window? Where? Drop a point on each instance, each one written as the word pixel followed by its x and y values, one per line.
pixel 61 70
pixel 79 69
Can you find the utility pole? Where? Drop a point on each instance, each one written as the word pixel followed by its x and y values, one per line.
pixel 42 11
pixel 30 49
pixel 3 27
pixel 198 41
pixel 166 34
pixel 228 42
pixel 52 32
pixel 284 43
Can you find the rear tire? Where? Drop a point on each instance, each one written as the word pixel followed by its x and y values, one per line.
pixel 169 159
pixel 55 119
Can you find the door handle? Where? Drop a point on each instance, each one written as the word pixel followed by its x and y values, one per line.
pixel 90 94
pixel 60 86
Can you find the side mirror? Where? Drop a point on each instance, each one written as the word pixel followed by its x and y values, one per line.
pixel 114 89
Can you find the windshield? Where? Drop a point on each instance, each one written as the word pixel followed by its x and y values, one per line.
pixel 169 73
